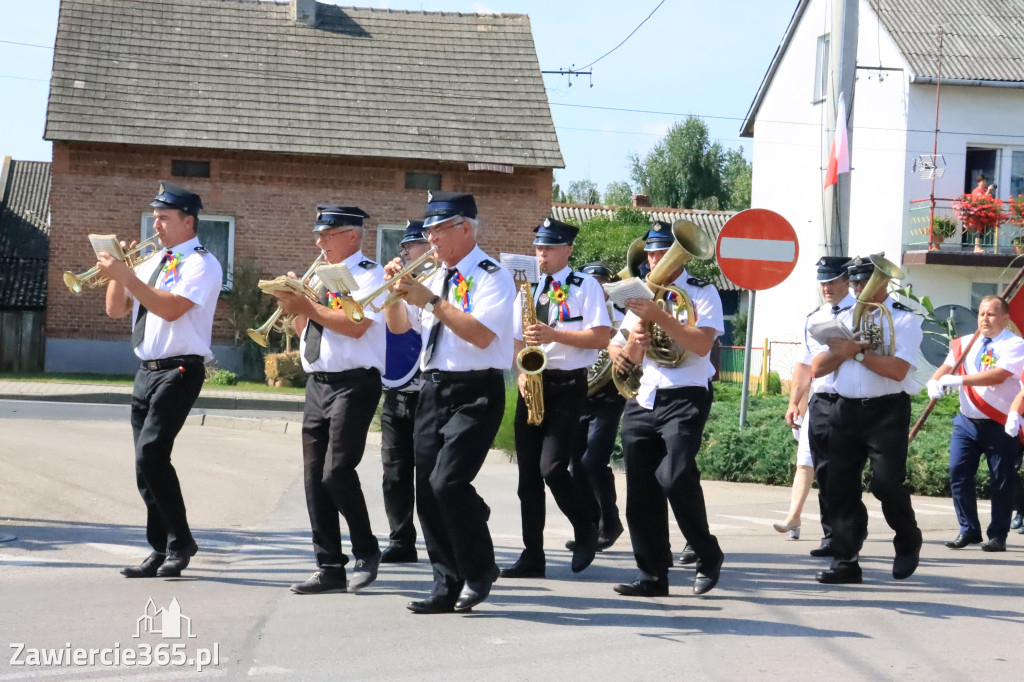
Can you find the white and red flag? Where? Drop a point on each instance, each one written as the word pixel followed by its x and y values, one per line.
pixel 839 158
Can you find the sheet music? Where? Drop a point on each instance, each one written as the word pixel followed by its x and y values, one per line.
pixel 522 267
pixel 621 292
pixel 337 278
pixel 282 283
pixel 106 243
pixel 822 332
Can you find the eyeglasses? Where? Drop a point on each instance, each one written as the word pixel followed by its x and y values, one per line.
pixel 327 233
pixel 436 230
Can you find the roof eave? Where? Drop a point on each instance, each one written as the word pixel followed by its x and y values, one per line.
pixel 975 82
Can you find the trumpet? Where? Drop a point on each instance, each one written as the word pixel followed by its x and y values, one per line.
pixel 278 320
pixel 356 309
pixel 93 277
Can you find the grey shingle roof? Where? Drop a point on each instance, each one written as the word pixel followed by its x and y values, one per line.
pixel 24 233
pixel 711 222
pixel 242 75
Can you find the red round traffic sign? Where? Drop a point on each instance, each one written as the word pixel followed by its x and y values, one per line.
pixel 757 249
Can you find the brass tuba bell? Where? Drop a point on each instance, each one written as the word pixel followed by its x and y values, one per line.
pixel 885 271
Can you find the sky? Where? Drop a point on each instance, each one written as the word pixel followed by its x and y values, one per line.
pixel 690 57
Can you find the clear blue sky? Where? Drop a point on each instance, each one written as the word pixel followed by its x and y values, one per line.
pixel 691 57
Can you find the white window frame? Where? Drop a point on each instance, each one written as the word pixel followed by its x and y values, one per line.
pixel 821 59
pixel 381 229
pixel 146 231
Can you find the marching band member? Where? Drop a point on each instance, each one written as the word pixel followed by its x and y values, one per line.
pixel 172 298
pixel 987 381
pixel 397 419
pixel 869 422
pixel 344 360
pixel 464 313
pixel 662 430
pixel 572 326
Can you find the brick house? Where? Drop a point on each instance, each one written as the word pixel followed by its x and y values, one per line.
pixel 267 109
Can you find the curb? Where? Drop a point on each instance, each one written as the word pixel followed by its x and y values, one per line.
pixel 245 423
pixel 207 402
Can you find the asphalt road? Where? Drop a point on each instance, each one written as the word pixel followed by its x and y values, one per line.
pixel 67 492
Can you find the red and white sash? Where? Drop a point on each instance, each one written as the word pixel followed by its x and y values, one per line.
pixel 985 398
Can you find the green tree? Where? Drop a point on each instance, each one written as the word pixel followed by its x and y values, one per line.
pixel 618 194
pixel 583 192
pixel 606 239
pixel 683 168
pixel 556 194
pixel 738 175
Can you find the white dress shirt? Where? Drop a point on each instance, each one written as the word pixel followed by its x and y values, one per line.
pixel 197 276
pixel 822 314
pixel 1007 353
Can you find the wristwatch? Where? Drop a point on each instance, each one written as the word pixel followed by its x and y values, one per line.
pixel 859 357
pixel 429 305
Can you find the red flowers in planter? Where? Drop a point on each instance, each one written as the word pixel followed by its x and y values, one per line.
pixel 979 212
pixel 1015 210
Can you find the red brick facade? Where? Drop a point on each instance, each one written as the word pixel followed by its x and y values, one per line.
pixel 105 188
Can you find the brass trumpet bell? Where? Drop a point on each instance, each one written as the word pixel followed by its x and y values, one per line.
pixel 93 278
pixel 885 271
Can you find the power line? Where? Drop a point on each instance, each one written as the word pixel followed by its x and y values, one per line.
pixel 11 42
pixel 25 78
pixel 626 38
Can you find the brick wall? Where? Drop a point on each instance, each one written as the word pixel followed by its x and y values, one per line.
pixel 102 188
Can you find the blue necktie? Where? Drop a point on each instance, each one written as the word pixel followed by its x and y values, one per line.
pixel 981 356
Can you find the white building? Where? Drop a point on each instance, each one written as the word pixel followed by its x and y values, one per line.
pixel 893 118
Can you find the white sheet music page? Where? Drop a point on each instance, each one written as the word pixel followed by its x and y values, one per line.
pixel 523 268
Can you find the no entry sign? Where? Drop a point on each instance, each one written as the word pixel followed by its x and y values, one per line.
pixel 757 249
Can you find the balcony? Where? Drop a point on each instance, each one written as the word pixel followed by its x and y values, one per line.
pixel 992 248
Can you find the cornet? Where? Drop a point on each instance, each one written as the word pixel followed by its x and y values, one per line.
pixel 93 277
pixel 356 309
pixel 278 320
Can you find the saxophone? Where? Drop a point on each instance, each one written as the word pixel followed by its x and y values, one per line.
pixel 531 361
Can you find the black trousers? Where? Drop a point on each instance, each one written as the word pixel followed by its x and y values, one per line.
pixel 591 458
pixel 339 409
pixel 161 400
pixel 871 431
pixel 661 468
pixel 456 421
pixel 397 424
pixel 543 453
pixel 819 412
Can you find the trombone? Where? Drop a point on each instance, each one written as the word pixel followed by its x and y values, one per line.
pixel 94 278
pixel 278 320
pixel 356 309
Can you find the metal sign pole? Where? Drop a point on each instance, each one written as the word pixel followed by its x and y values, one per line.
pixel 746 359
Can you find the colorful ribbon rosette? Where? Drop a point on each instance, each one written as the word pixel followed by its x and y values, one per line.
pixel 559 295
pixel 462 287
pixel 170 268
pixel 333 300
pixel 988 359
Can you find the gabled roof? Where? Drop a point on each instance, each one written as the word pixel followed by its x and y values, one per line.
pixel 983 42
pixel 710 222
pixel 24 233
pixel 242 75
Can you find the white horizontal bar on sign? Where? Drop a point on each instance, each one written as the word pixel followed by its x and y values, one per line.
pixel 780 250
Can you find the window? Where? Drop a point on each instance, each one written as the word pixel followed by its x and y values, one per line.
pixel 1016 172
pixel 216 234
pixel 190 169
pixel 821 69
pixel 430 181
pixel 388 238
pixel 980 163
pixel 980 290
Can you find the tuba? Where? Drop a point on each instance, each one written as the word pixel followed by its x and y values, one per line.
pixel 690 242
pixel 600 373
pixel 278 320
pixel 531 360
pixel 863 325
pixel 92 277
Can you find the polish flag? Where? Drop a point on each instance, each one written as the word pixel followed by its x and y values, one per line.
pixel 839 158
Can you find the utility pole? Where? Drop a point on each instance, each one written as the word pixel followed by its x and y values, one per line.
pixel 842 78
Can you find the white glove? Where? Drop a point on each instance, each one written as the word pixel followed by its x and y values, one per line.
pixel 951 381
pixel 934 389
pixel 796 429
pixel 1013 422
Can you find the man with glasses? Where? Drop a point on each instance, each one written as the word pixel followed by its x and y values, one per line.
pixel 344 360
pixel 464 313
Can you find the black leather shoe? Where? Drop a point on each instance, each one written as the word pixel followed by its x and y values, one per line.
pixel 994 545
pixel 1017 521
pixel 431 604
pixel 525 567
pixel 823 551
pixel 962 540
pixel 688 556
pixel 148 567
pixel 323 581
pixel 904 565
pixel 840 576
pixel 644 588
pixel 606 538
pixel 176 563
pixel 707 575
pixel 586 549
pixel 365 572
pixel 396 554
pixel 475 591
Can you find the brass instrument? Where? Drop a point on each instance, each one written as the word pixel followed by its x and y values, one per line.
pixel 356 309
pixel 600 373
pixel 531 360
pixel 690 242
pixel 885 270
pixel 94 278
pixel 278 320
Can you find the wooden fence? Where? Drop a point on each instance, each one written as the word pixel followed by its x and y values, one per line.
pixel 22 343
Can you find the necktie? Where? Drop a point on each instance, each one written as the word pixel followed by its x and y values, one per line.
pixel 435 330
pixel 314 332
pixel 835 310
pixel 542 308
pixel 139 330
pixel 979 361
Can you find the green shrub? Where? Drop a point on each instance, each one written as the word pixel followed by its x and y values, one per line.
pixel 221 377
pixel 506 438
pixel 774 384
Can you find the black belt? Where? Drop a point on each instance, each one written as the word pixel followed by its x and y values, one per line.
pixel 437 376
pixel 830 397
pixel 879 400
pixel 172 363
pixel 979 421
pixel 328 377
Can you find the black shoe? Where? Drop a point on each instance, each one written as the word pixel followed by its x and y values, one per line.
pixel 525 567
pixel 606 539
pixel 365 572
pixel 1021 531
pixel 396 554
pixel 643 587
pixel 994 545
pixel 707 575
pixel 904 565
pixel 962 540
pixel 176 563
pixel 323 581
pixel 688 556
pixel 475 591
pixel 840 576
pixel 148 567
pixel 1017 522
pixel 585 550
pixel 823 551
pixel 431 604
